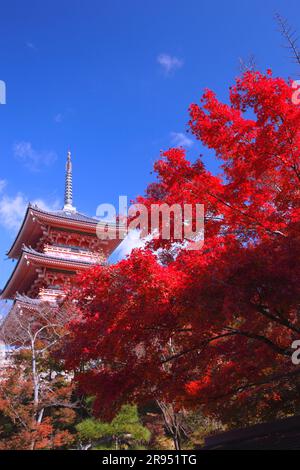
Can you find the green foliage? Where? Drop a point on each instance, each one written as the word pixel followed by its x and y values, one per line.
pixel 125 430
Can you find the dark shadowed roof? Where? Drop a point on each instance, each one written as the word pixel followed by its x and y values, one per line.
pixel 282 434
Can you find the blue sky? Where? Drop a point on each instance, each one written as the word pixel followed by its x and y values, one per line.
pixel 112 81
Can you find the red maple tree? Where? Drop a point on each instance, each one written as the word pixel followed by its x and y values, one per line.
pixel 214 326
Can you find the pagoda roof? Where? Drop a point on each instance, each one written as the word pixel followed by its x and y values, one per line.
pixel 22 302
pixel 75 216
pixel 31 229
pixel 25 270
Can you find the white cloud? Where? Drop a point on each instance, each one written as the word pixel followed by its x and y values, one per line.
pixel 169 63
pixel 33 159
pixel 30 45
pixel 45 206
pixel 63 115
pixel 2 185
pixel 12 209
pixel 132 241
pixel 58 118
pixel 179 139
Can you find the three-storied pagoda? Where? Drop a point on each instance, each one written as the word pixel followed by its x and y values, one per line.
pixel 50 248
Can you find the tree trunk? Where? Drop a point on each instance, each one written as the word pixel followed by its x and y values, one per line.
pixel 36 418
pixel 177 441
pixel 172 423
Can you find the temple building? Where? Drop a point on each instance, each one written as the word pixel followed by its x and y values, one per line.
pixel 51 248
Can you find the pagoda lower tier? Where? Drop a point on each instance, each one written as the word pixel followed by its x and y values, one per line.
pixel 23 305
pixel 46 276
pixel 24 311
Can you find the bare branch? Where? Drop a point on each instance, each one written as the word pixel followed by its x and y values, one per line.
pixel 290 36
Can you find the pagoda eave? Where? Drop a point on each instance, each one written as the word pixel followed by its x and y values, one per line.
pixel 36 220
pixel 30 262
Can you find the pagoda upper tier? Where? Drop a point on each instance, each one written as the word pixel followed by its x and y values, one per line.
pixel 41 228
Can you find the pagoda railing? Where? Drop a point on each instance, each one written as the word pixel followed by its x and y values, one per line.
pixel 50 295
pixel 78 255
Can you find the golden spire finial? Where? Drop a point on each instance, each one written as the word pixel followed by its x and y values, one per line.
pixel 69 186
